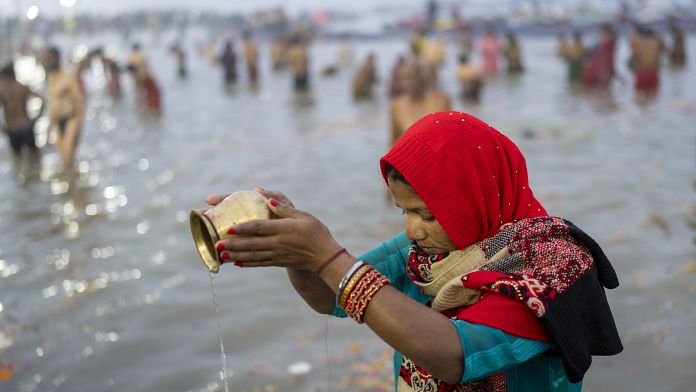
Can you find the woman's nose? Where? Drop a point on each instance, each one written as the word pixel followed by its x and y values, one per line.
pixel 413 230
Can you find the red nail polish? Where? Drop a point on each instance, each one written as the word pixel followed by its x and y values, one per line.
pixel 224 256
pixel 274 202
pixel 231 230
pixel 220 246
pixel 239 264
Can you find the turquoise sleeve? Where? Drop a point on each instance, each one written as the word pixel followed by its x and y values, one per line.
pixel 489 350
pixel 389 259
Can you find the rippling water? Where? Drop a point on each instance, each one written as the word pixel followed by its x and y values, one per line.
pixel 101 288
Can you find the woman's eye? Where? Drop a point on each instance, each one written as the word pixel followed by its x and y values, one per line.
pixel 429 218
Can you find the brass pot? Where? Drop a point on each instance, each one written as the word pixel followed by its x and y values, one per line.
pixel 211 226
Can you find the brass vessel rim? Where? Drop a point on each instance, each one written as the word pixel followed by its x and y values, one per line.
pixel 213 233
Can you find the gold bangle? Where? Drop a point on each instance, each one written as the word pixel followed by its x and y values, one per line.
pixel 351 283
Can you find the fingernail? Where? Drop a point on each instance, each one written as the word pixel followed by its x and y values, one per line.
pixel 220 246
pixel 224 255
pixel 239 264
pixel 274 202
pixel 231 230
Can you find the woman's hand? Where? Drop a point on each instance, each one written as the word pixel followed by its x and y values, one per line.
pixel 217 199
pixel 295 239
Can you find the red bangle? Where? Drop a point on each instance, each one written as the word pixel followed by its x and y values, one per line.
pixel 329 260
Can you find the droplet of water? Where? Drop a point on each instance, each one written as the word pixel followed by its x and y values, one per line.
pixel 91 209
pixel 143 164
pixel 143 227
pixel 299 368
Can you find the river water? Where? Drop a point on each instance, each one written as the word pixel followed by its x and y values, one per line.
pixel 101 288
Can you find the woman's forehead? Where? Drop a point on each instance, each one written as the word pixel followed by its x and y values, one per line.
pixel 404 196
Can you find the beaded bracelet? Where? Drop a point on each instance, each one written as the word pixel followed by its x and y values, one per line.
pixel 358 286
pixel 351 301
pixel 361 307
pixel 357 276
pixel 360 295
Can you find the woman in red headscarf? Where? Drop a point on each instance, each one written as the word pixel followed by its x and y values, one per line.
pixel 482 292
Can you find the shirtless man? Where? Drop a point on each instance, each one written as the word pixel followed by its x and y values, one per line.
pixel 470 79
pixel 677 53
pixel 415 103
pixel 146 86
pixel 365 79
pixel 573 53
pixel 279 55
pixel 646 47
pixel 251 55
pixel 137 64
pixel 298 60
pixel 67 106
pixel 13 99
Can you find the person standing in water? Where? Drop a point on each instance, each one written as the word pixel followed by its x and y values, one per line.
pixel 396 87
pixel 365 79
pixel 513 54
pixel 470 79
pixel 298 60
pixel 489 52
pixel 146 87
pixel 646 48
pixel 180 56
pixel 574 54
pixel 67 106
pixel 18 126
pixel 279 60
pixel 113 84
pixel 228 60
pixel 677 52
pixel 416 101
pixel 251 56
pixel 137 65
pixel 598 69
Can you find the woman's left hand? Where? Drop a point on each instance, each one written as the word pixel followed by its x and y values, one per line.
pixel 296 239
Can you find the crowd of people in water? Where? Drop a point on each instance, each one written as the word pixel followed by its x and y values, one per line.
pixel 414 85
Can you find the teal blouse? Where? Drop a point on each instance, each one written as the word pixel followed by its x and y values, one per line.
pixel 527 363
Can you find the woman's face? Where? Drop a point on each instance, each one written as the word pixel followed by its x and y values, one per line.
pixel 421 225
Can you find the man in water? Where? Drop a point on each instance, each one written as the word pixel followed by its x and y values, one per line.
pixel 13 99
pixel 251 55
pixel 298 60
pixel 396 82
pixel 513 54
pixel 365 79
pixel 470 79
pixel 416 101
pixel 67 106
pixel 228 60
pixel 677 53
pixel 180 55
pixel 574 54
pixel 137 64
pixel 646 47
pixel 279 56
pixel 146 87
pixel 113 84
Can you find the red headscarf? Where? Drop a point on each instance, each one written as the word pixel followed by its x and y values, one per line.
pixel 472 177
